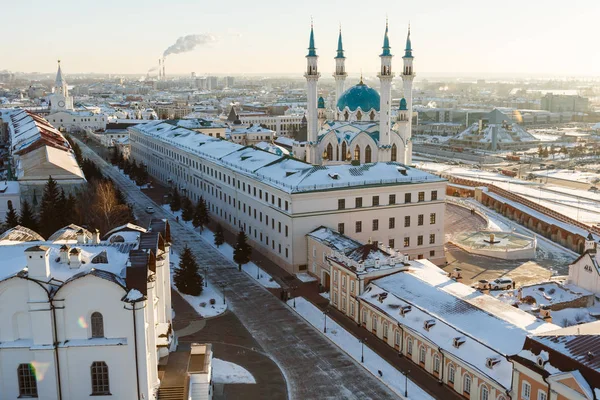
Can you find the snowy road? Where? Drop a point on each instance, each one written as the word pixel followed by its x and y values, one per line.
pixel 314 368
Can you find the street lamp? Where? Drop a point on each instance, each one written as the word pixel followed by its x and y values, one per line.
pixel 362 349
pixel 325 312
pixel 205 269
pixel 406 383
pixel 223 286
pixel 294 288
pixel 257 271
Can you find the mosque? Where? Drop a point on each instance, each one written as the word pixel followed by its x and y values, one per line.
pixel 362 130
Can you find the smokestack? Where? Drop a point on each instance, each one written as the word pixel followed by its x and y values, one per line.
pixel 164 73
pixel 159 69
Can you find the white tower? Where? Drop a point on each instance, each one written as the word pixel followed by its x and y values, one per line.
pixel 408 75
pixel 312 76
pixel 385 77
pixel 340 70
pixel 60 99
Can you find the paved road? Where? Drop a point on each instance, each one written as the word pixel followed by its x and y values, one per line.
pixel 314 368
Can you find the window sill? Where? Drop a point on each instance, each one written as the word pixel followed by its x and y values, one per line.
pixel 101 394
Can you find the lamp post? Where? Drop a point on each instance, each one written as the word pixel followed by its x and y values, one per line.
pixel 205 270
pixel 362 349
pixel 406 383
pixel 294 294
pixel 325 312
pixel 257 271
pixel 223 286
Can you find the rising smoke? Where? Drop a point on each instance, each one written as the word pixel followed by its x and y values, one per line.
pixel 188 43
pixel 152 69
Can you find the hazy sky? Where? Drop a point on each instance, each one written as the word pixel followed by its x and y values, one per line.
pixel 271 36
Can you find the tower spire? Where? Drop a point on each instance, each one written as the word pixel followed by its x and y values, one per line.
pixel 386 41
pixel 340 48
pixel 312 51
pixel 408 49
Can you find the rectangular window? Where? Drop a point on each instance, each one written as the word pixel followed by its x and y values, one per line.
pixel 420 220
pixel 358 226
pixel 432 253
pixel 392 223
pixel 420 240
pixel 272 199
pixel 525 391
pixel 358 202
pixel 352 286
pixel 432 238
pixel 286 205
pixel 335 276
pixel 432 218
pixel 392 199
pixel 279 202
pixel 407 197
pixel 286 252
pixel 375 224
pixel 344 281
pixel 397 338
pixel 375 201
pixel 542 395
pixel 433 195
pixel 286 231
pixel 391 243
pixel 314 251
pixel 352 309
pixel 406 242
pixel 279 227
pixel 341 204
pixel 421 196
pixel 407 221
pixel 341 228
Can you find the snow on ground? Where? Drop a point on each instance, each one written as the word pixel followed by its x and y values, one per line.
pixel 393 378
pixel 325 295
pixel 201 303
pixel 570 175
pixel 304 277
pixel 251 269
pixel 228 372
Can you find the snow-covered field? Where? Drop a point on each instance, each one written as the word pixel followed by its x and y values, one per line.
pixel 201 303
pixel 228 372
pixel 393 378
pixel 570 175
pixel 251 269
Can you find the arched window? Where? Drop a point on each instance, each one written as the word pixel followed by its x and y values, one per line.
pixel 422 354
pixel 451 371
pixel 467 384
pixel 436 363
pixel 394 152
pixel 485 393
pixel 372 115
pixel 344 150
pixel 97 325
pixel 385 329
pixel 346 115
pixel 374 323
pixel 337 153
pixel 357 153
pixel 27 382
pixel 409 345
pixel 100 384
pixel 329 152
pixel 358 115
pixel 368 154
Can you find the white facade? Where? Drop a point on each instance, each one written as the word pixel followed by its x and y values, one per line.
pixel 82 320
pixel 585 271
pixel 278 200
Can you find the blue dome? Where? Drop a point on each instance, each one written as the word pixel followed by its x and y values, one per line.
pixel 359 96
pixel 403 104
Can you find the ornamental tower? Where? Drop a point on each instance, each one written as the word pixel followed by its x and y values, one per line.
pixel 340 69
pixel 60 99
pixel 385 78
pixel 312 76
pixel 407 79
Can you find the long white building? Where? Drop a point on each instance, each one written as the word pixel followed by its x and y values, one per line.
pixel 82 316
pixel 277 200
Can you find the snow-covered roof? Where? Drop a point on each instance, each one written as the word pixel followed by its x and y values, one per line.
pixel 284 173
pixel 333 239
pixel 488 328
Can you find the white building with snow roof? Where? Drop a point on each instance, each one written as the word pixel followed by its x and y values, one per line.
pixel 277 200
pixel 84 317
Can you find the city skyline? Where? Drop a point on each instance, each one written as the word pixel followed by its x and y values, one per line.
pixel 267 39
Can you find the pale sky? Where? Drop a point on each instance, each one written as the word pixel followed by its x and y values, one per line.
pixel 271 36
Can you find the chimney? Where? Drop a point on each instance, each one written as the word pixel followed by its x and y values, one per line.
pixel 377 263
pixel 74 258
pixel 159 69
pixel 64 254
pixel 81 239
pixel 545 313
pixel 163 66
pixel 96 237
pixel 38 265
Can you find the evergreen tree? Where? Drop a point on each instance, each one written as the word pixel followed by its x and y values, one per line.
pixel 61 208
pixel 141 175
pixel 242 251
pixel 187 278
pixel 134 170
pixel 50 218
pixel 12 219
pixel 540 151
pixel 175 201
pixel 127 167
pixel 27 218
pixel 187 208
pixel 76 150
pixel 219 237
pixel 114 156
pixel 200 214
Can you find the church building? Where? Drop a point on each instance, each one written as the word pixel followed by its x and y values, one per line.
pixel 362 130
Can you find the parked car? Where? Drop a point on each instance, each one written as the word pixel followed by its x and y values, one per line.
pixel 501 284
pixel 150 210
pixel 593 189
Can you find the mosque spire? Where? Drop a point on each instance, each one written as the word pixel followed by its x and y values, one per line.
pixel 408 49
pixel 312 51
pixel 386 42
pixel 340 48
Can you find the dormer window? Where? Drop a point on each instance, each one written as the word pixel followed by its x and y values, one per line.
pixel 428 324
pixel 404 310
pixel 491 361
pixel 458 341
pixel 382 297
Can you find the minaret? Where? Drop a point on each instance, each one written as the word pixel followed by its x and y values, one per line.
pixel 407 79
pixel 312 76
pixel 385 78
pixel 321 112
pixel 340 70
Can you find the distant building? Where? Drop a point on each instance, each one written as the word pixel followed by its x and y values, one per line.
pixel 229 81
pixel 562 102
